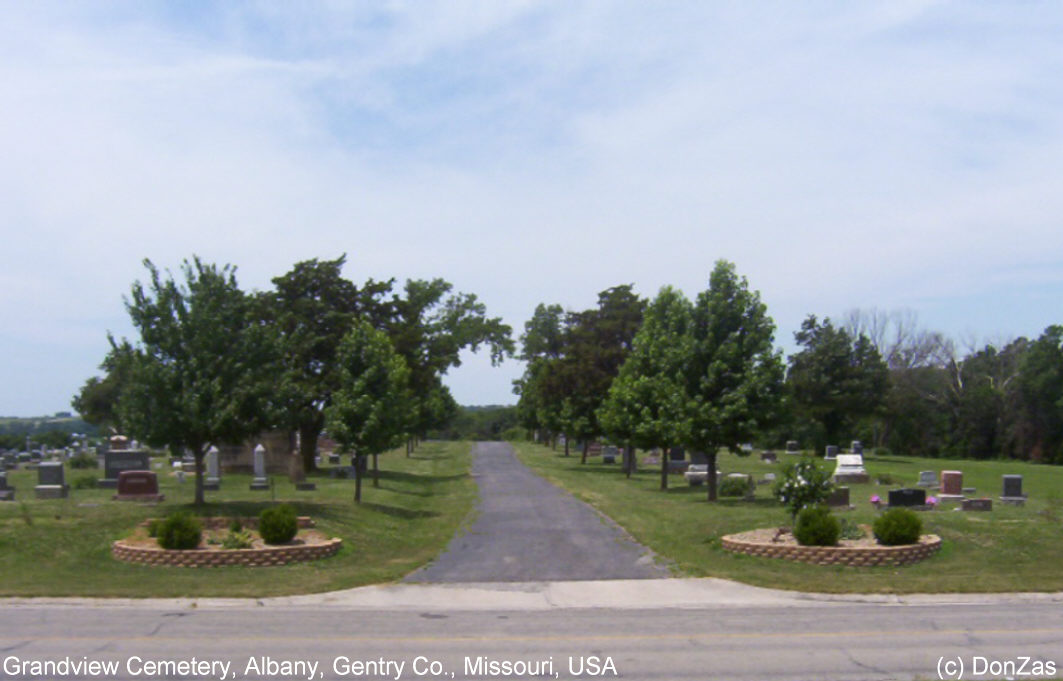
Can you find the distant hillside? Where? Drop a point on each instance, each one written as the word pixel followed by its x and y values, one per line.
pixel 63 422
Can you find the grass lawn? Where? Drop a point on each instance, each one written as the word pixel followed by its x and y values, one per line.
pixel 62 547
pixel 1007 549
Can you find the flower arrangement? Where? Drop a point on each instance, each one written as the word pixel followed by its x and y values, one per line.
pixel 932 502
pixel 803 485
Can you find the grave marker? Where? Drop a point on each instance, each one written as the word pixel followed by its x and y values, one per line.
pixel 769 457
pixel 927 479
pixel 792 447
pixel 839 498
pixel 51 481
pixel 831 453
pixel 260 482
pixel 1013 490
pixel 856 447
pixel 6 493
pixel 138 486
pixel 951 485
pixel 850 468
pixel 117 460
pixel 213 479
pixel 907 497
pixel 609 454
pixel 977 505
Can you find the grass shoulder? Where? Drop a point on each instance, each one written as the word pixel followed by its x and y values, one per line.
pixel 1006 550
pixel 62 547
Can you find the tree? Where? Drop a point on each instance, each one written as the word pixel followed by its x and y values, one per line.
pixel 1041 389
pixel 369 411
pixel 733 379
pixel 97 401
pixel 835 379
pixel 312 308
pixel 201 371
pixel 646 403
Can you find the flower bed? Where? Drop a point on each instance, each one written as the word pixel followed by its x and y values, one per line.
pixel 308 545
pixel 855 553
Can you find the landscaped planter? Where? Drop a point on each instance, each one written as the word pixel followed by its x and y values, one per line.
pixel 855 554
pixel 308 545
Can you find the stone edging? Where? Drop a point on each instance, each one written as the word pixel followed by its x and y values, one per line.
pixel 854 556
pixel 264 557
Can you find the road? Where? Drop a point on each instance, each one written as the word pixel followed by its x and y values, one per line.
pixel 526 529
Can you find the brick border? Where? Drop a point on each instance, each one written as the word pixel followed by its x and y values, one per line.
pixel 263 557
pixel 853 556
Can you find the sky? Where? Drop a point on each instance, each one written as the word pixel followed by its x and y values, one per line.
pixel 892 155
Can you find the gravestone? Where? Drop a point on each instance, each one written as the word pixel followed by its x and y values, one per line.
pixel 792 447
pixel 850 468
pixel 6 493
pixel 677 462
pixel 594 449
pixel 977 505
pixel 117 460
pixel 677 454
pixel 297 475
pixel 699 458
pixel 213 464
pixel 907 497
pixel 609 454
pixel 138 486
pixel 769 478
pixel 856 447
pixel 831 453
pixel 927 479
pixel 839 498
pixel 1013 491
pixel 334 459
pixel 260 482
pixel 51 481
pixel 951 485
pixel 10 461
pixel 769 457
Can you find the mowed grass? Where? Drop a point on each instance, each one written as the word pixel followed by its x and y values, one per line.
pixel 1007 549
pixel 63 547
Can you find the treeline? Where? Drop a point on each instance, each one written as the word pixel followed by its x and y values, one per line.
pixel 484 423
pixel 705 374
pixel 215 364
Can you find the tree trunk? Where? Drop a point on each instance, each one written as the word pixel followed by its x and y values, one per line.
pixel 376 472
pixel 308 432
pixel 711 481
pixel 198 453
pixel 566 445
pixel 583 456
pixel 408 448
pixel 664 468
pixel 358 478
pixel 630 451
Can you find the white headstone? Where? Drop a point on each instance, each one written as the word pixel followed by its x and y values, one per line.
pixel 260 481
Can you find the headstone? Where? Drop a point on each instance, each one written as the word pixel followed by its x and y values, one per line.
pixel 907 497
pixel 334 459
pixel 1013 491
pixel 951 485
pixel 10 461
pixel 699 458
pixel 51 481
pixel 594 449
pixel 927 479
pixel 856 447
pixel 117 460
pixel 677 462
pixel 609 454
pixel 138 486
pixel 297 475
pixel 213 480
pixel 260 482
pixel 696 474
pixel 850 468
pixel 839 498
pixel 769 457
pixel 977 505
pixel 677 454
pixel 792 447
pixel 831 453
pixel 6 493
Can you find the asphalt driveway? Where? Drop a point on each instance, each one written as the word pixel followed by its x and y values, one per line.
pixel 527 530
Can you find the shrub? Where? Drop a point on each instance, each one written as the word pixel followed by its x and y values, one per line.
pixel 277 524
pixel 898 526
pixel 153 527
pixel 236 525
pixel 803 485
pixel 240 539
pixel 85 482
pixel 816 526
pixel 83 461
pixel 180 531
pixel 735 487
pixel 851 530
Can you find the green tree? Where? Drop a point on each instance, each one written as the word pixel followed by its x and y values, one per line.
pixel 1041 389
pixel 835 379
pixel 202 370
pixel 646 403
pixel 97 401
pixel 312 308
pixel 734 376
pixel 369 412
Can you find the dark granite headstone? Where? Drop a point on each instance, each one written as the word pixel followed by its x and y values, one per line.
pixel 138 486
pixel 10 461
pixel 768 457
pixel 1012 486
pixel 977 504
pixel 677 454
pixel 6 493
pixel 831 452
pixel 839 497
pixel 699 458
pixel 907 497
pixel 117 460
pixel 334 459
pixel 791 447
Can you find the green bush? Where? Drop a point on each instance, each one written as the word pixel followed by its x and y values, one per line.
pixel 898 526
pixel 153 527
pixel 851 530
pixel 735 487
pixel 277 524
pixel 85 482
pixel 803 485
pixel 180 531
pixel 240 539
pixel 816 526
pixel 236 525
pixel 83 461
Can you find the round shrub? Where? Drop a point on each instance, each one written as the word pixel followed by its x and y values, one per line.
pixel 277 524
pixel 816 526
pixel 180 531
pixel 735 487
pixel 898 526
pixel 83 461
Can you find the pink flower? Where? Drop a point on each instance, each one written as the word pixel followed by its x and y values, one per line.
pixel 875 499
pixel 932 501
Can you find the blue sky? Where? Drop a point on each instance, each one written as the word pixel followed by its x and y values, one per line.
pixel 887 155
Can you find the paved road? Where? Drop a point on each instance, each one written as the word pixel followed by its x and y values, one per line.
pixel 528 530
pixel 796 639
